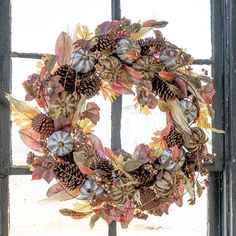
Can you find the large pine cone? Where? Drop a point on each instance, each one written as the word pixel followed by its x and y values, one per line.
pixel 67 77
pixel 88 86
pixel 174 138
pixel 68 173
pixel 146 174
pixel 43 124
pixel 162 89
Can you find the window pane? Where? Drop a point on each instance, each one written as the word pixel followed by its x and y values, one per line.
pixel 36 24
pixel 29 218
pixel 136 127
pixel 21 69
pixel 189 21
pixel 186 221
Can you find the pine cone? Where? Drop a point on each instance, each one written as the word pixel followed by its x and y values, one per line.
pixel 103 42
pixel 161 88
pixel 43 124
pixel 88 86
pixel 148 199
pixel 151 45
pixel 174 138
pixel 146 174
pixel 67 77
pixel 105 168
pixel 68 173
pixel 140 215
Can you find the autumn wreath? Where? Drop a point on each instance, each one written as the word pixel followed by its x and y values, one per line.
pixel 112 184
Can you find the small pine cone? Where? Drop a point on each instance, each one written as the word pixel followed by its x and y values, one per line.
pixel 67 77
pixel 146 174
pixel 103 42
pixel 161 88
pixel 89 86
pixel 43 124
pixel 174 138
pixel 151 45
pixel 68 173
pixel 105 168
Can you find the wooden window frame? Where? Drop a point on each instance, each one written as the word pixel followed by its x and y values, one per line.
pixel 222 188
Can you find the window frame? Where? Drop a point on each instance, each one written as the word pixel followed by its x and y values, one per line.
pixel 222 210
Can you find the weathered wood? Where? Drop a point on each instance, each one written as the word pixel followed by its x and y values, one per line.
pixel 5 125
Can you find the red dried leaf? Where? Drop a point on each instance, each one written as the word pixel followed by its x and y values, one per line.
pixel 85 170
pixel 29 88
pixel 154 23
pixel 175 153
pixel 132 55
pixel 208 91
pixel 132 72
pixel 92 112
pixel 182 86
pixel 38 173
pixel 109 153
pixel 121 87
pixel 141 153
pixel 54 189
pixel 63 48
pixel 158 34
pixel 74 214
pixel 62 123
pixel 166 75
pixel 31 139
pixel 97 144
pixel 54 86
pixel 106 27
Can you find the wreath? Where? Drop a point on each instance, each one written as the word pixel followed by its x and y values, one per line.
pixel 113 184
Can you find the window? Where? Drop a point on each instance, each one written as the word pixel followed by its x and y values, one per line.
pixel 32 36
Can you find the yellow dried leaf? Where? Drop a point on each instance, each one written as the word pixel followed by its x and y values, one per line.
pixel 86 126
pixel 163 106
pixel 82 206
pixel 140 33
pixel 83 32
pixel 108 92
pixel 21 112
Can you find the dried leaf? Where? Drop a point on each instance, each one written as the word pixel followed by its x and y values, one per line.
pixel 199 189
pixel 77 111
pixel 189 188
pixel 166 75
pixel 174 89
pixel 86 126
pixel 97 144
pixel 62 123
pixel 54 86
pixel 31 139
pixel 154 24
pixel 83 32
pixel 141 153
pixel 208 91
pixel 163 106
pixel 85 170
pixel 175 153
pixel 73 214
pixel 178 116
pixel 82 206
pixel 121 87
pixel 131 165
pixel 93 220
pixel 92 112
pixel 108 92
pixel 140 33
pixel 63 49
pixel 22 113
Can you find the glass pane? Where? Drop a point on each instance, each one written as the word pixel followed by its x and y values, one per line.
pixel 189 21
pixel 29 218
pixel 36 24
pixel 21 69
pixel 136 127
pixel 186 221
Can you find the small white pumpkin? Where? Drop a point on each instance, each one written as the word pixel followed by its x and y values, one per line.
pixel 190 110
pixel 60 143
pixel 166 159
pixel 82 61
pixel 126 45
